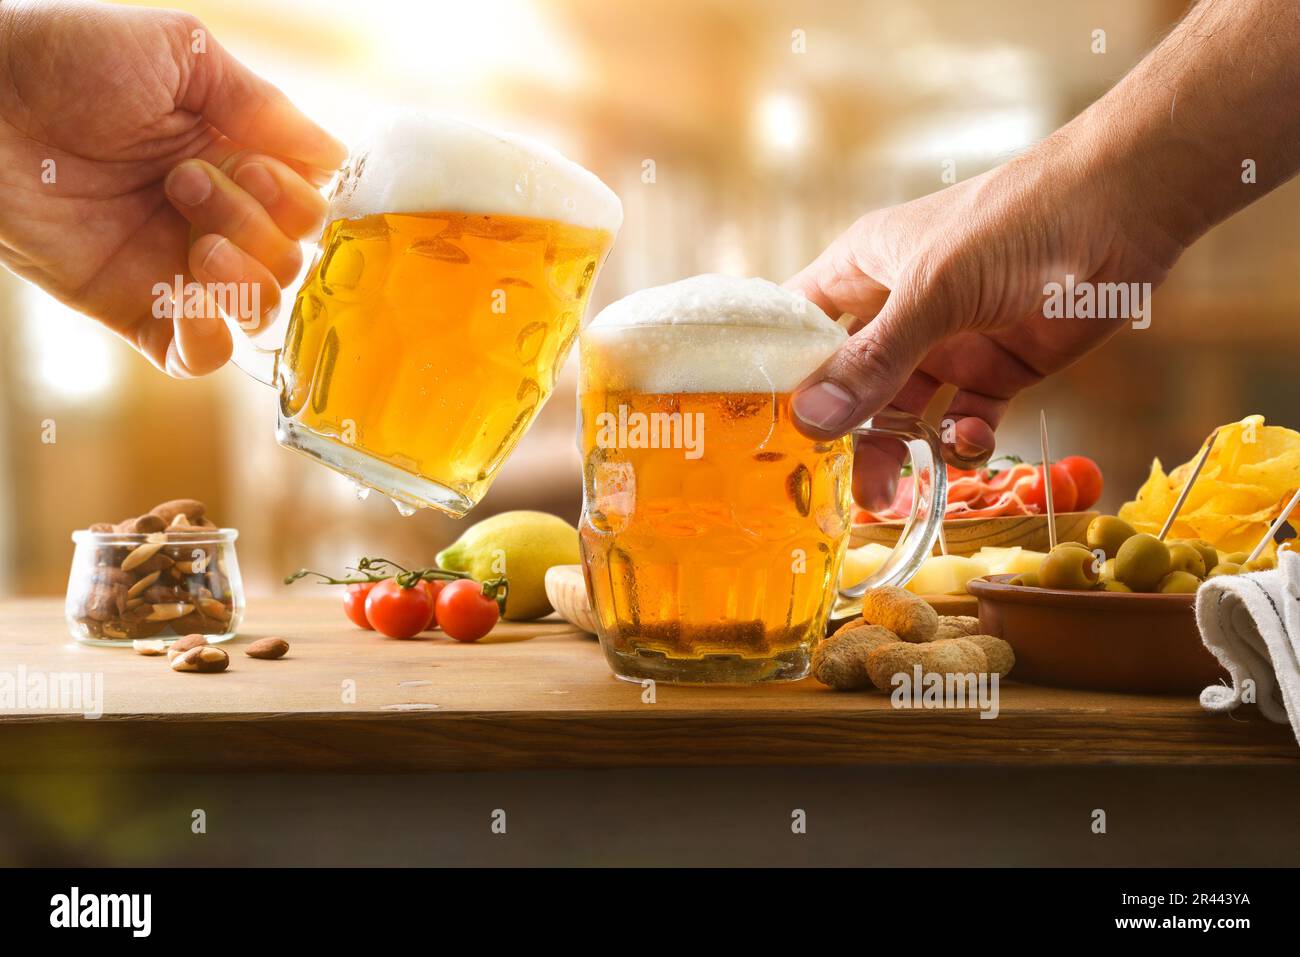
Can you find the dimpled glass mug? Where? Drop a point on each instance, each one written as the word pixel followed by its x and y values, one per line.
pixel 447 292
pixel 712 530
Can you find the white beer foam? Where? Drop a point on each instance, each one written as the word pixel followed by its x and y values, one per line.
pixel 709 334
pixel 418 163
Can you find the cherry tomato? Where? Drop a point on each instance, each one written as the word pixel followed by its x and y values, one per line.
pixel 396 611
pixel 1087 479
pixel 432 588
pixel 1032 490
pixel 354 604
pixel 464 612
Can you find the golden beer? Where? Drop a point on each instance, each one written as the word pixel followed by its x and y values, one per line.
pixel 424 342
pixel 727 561
pixel 713 531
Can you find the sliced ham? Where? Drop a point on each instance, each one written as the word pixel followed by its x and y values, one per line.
pixel 971 494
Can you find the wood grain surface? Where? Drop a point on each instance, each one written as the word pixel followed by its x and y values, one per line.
pixel 966 536
pixel 540 695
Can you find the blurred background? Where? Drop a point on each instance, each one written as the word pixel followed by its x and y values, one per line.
pixel 771 126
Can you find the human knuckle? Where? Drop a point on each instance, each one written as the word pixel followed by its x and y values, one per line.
pixel 864 357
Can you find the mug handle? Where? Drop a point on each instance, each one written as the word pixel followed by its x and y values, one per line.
pixel 929 500
pixel 253 359
pixel 249 355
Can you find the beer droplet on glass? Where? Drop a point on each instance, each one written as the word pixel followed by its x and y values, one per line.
pixel 831 494
pixel 611 490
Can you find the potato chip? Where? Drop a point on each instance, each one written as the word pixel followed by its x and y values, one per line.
pixel 1247 480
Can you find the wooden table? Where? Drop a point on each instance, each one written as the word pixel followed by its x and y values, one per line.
pixel 541 696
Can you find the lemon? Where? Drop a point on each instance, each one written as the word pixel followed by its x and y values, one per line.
pixel 520 546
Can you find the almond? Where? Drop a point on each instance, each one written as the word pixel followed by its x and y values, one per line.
pixel 268 648
pixel 214 609
pixel 182 645
pixel 138 612
pixel 108 575
pixel 102 601
pixel 205 659
pixel 135 590
pixel 140 525
pixel 159 563
pixel 140 554
pixel 164 593
pixel 191 508
pixel 167 611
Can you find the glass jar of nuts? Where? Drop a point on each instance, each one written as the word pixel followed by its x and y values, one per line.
pixel 136 580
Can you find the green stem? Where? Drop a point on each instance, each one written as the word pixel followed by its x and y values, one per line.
pixel 328 580
pixel 497 589
pixel 379 569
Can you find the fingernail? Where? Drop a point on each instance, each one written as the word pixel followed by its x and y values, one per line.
pixel 188 184
pixel 221 261
pixel 175 366
pixel 970 450
pixel 824 406
pixel 257 181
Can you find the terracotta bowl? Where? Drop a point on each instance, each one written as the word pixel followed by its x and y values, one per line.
pixel 1099 641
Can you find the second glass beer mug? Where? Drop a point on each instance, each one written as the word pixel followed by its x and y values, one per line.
pixel 712 530
pixel 450 284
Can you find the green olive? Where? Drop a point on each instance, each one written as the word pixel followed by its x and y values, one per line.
pixel 1109 584
pixel 1179 583
pixel 1209 554
pixel 1224 568
pixel 1141 562
pixel 1234 558
pixel 1107 573
pixel 1262 564
pixel 1025 579
pixel 1185 558
pixel 1069 566
pixel 1108 533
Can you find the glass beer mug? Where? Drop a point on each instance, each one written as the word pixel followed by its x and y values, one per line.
pixel 713 531
pixel 447 293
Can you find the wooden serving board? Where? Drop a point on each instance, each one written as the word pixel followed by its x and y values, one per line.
pixel 540 695
pixel 966 536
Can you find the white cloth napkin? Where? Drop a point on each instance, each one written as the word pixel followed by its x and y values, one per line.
pixel 1252 625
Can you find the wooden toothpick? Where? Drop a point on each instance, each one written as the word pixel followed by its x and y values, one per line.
pixel 1178 505
pixel 1272 529
pixel 1047 480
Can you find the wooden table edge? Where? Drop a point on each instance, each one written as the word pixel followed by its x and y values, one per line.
pixel 370 742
